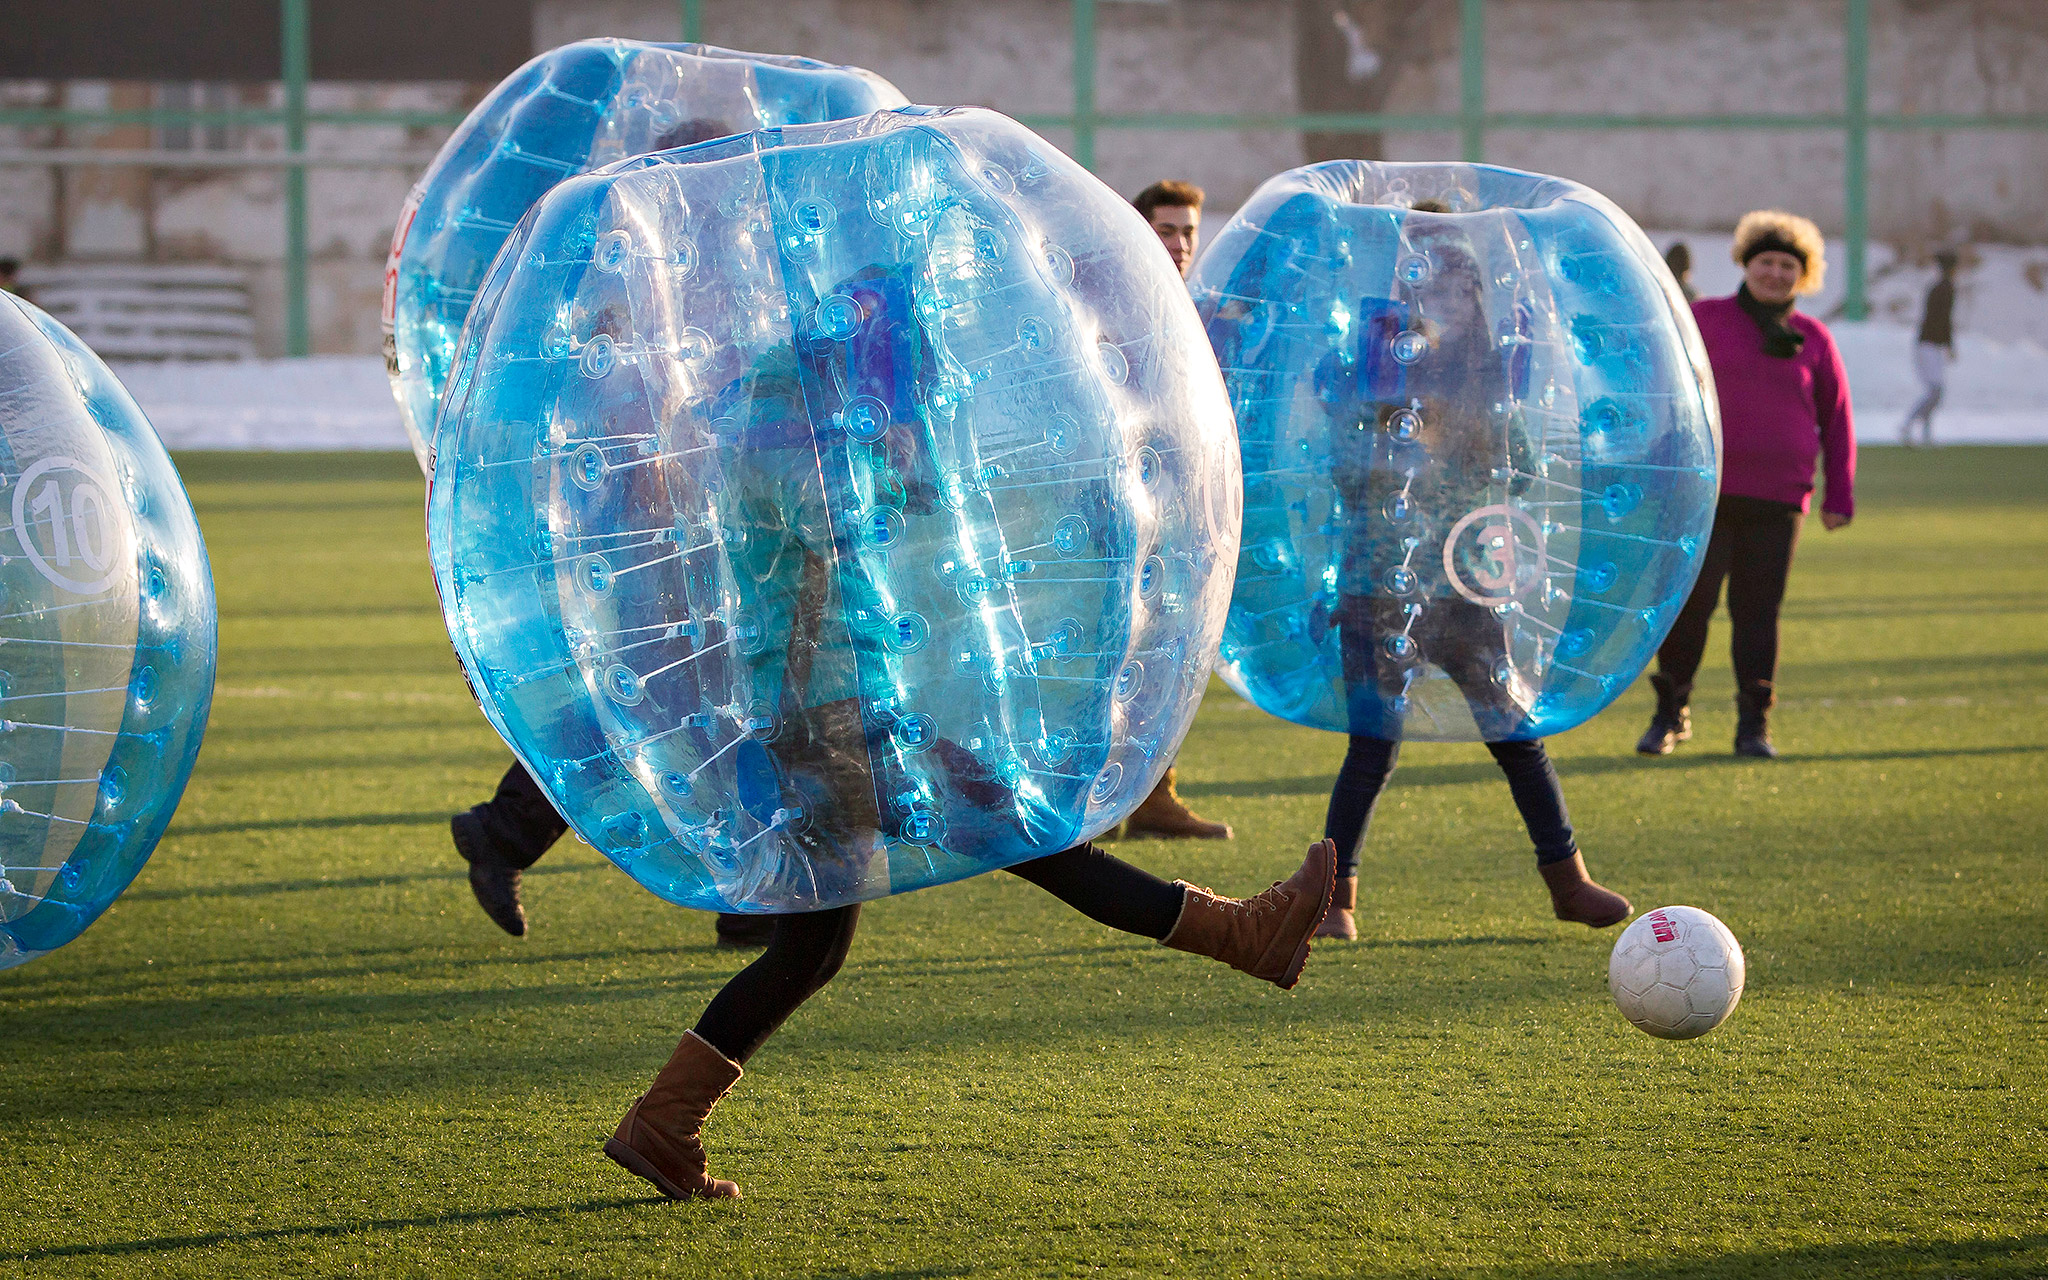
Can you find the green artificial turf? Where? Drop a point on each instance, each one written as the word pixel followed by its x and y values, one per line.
pixel 296 1048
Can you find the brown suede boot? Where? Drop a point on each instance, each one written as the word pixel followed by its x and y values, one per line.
pixel 1340 923
pixel 1575 897
pixel 1267 936
pixel 659 1138
pixel 1165 816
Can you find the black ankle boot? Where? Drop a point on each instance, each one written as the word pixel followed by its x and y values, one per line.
pixel 1672 724
pixel 1752 721
pixel 493 880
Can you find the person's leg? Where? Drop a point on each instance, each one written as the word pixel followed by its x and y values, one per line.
pixel 1761 566
pixel 803 955
pixel 1107 890
pixel 1931 362
pixel 1678 658
pixel 1540 797
pixel 1266 936
pixel 741 931
pixel 1928 406
pixel 1368 764
pixel 661 1137
pixel 501 838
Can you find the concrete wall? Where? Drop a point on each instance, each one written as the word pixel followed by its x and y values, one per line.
pixel 1183 55
pixel 1017 56
pixel 234 216
pixel 1701 56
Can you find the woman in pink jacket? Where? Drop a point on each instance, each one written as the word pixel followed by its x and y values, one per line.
pixel 1784 406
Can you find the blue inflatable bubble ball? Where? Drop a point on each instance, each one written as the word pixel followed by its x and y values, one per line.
pixel 836 510
pixel 1481 448
pixel 106 636
pixel 570 110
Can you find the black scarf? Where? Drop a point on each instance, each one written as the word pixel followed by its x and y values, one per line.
pixel 1780 339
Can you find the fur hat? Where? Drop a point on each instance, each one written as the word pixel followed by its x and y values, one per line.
pixel 1766 229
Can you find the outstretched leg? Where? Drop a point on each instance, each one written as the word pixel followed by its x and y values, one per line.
pixel 661 1137
pixel 1266 936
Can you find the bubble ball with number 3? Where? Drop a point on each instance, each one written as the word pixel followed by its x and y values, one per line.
pixel 107 636
pixel 1481 448
pixel 835 510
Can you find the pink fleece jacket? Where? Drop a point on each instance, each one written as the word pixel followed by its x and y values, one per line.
pixel 1778 416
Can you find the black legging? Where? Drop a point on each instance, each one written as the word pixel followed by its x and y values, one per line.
pixel 1370 763
pixel 1752 548
pixel 808 949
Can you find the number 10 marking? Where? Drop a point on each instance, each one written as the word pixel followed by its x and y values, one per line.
pixel 83 532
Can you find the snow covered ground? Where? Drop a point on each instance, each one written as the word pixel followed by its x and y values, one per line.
pixel 319 402
pixel 1997 393
pixel 1998 385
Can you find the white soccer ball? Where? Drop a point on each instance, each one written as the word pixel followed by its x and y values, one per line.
pixel 1676 972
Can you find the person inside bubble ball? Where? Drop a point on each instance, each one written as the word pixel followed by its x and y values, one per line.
pixel 503 837
pixel 791 573
pixel 1410 454
pixel 1173 210
pixel 1784 405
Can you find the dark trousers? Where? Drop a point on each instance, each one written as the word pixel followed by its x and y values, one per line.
pixel 520 820
pixel 1752 549
pixel 521 824
pixel 808 949
pixel 1370 763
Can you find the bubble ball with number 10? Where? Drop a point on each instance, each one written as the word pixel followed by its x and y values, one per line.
pixel 836 510
pixel 107 636
pixel 568 111
pixel 1481 448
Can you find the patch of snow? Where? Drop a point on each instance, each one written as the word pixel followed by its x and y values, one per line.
pixel 316 402
pixel 1997 387
pixel 1997 391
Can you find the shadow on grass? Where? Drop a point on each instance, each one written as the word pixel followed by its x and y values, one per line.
pixel 263 888
pixel 1453 775
pixel 435 817
pixel 480 755
pixel 211 1239
pixel 1432 944
pixel 2015 1256
pixel 458 716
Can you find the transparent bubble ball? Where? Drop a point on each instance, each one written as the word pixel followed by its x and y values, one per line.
pixel 570 110
pixel 107 636
pixel 1481 448
pixel 889 540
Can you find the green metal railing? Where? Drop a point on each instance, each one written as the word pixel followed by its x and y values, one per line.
pixel 1085 122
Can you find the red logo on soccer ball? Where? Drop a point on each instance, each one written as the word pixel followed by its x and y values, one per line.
pixel 1662 928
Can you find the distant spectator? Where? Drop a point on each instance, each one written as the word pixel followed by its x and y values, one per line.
pixel 1175 211
pixel 1679 258
pixel 1932 351
pixel 1784 404
pixel 10 278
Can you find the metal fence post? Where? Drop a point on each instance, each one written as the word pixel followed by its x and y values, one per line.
pixel 1856 160
pixel 1084 83
pixel 297 57
pixel 1472 80
pixel 693 20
